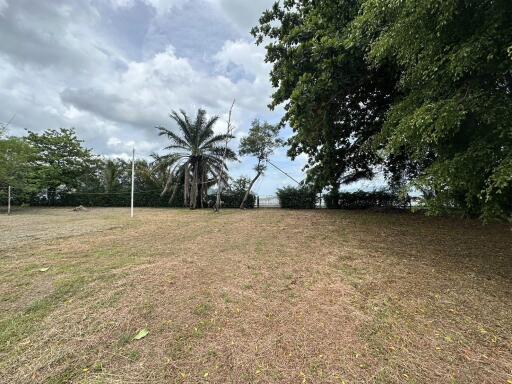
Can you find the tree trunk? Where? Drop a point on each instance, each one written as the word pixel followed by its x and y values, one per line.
pixel 186 186
pixel 174 189
pixel 201 194
pixel 242 206
pixel 193 197
pixel 219 179
pixel 167 185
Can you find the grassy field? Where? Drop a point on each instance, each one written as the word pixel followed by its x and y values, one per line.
pixel 269 296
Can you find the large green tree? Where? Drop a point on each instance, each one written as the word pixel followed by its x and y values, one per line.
pixel 422 87
pixel 60 162
pixel 334 102
pixel 15 168
pixel 454 120
pixel 196 156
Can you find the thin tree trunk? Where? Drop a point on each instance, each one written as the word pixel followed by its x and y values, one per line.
pixel 167 185
pixel 174 190
pixel 242 206
pixel 219 179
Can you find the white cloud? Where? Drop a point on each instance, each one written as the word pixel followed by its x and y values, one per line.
pixel 244 13
pixel 60 67
pixel 161 6
pixel 145 92
pixel 247 55
pixel 3 6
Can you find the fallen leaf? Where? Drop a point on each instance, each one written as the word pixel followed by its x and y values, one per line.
pixel 448 339
pixel 44 269
pixel 142 333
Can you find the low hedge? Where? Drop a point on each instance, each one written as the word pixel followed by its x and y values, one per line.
pixel 364 200
pixel 297 198
pixel 142 199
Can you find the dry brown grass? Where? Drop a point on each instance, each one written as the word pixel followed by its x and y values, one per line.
pixel 267 296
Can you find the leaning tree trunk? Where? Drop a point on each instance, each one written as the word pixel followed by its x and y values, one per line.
pixel 173 194
pixel 167 185
pixel 242 206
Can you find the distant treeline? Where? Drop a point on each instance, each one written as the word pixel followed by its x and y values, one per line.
pixel 54 169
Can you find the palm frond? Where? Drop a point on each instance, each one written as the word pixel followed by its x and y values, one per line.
pixel 217 139
pixel 207 131
pixel 184 125
pixel 219 151
pixel 174 137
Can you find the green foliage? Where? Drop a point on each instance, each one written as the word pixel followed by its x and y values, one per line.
pixel 297 197
pixel 261 142
pixel 15 169
pixel 233 199
pixel 334 101
pixel 364 200
pixel 115 174
pixel 240 184
pixel 422 87
pixel 455 118
pixel 151 198
pixel 60 162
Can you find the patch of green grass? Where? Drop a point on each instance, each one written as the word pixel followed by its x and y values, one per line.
pixel 63 377
pixel 124 339
pixel 380 331
pixel 17 327
pixel 184 338
pixel 351 274
pixel 134 355
pixel 203 309
pixel 226 298
pixel 260 246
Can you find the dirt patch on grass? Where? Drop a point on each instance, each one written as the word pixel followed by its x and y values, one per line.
pixel 266 296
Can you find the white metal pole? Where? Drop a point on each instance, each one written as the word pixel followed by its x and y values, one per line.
pixel 9 200
pixel 133 180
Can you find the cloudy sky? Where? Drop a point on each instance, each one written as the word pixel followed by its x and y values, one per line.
pixel 114 69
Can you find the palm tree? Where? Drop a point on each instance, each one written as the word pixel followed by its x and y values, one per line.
pixel 112 172
pixel 197 159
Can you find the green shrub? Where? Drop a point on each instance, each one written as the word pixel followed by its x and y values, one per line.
pixel 297 198
pixel 234 199
pixel 364 200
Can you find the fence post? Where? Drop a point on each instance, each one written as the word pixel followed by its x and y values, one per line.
pixel 9 200
pixel 257 201
pixel 133 182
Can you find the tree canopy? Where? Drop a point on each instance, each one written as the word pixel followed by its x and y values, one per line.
pixel 419 87
pixel 60 161
pixel 455 116
pixel 260 142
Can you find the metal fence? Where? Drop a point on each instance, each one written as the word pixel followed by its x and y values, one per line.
pixel 273 202
pixel 267 202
